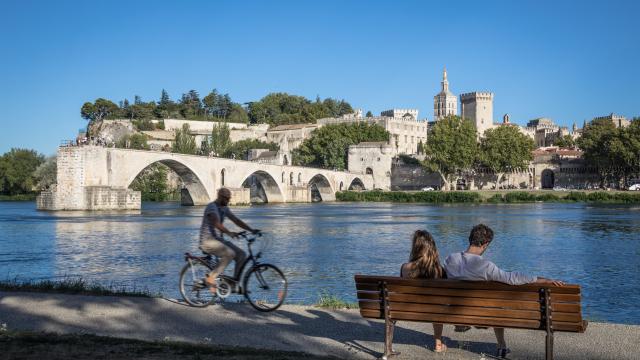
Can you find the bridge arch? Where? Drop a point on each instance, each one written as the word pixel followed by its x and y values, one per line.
pixel 263 187
pixel 356 184
pixel 194 191
pixel 320 189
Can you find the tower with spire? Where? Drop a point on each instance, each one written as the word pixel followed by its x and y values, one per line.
pixel 445 103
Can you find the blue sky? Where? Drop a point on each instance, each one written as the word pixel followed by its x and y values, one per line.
pixel 566 60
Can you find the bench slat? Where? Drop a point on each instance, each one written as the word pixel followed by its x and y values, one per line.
pixel 367 304
pixel 486 294
pixel 466 320
pixel 460 284
pixel 367 286
pixel 569 326
pixel 370 313
pixel 466 310
pixel 450 300
pixel 368 295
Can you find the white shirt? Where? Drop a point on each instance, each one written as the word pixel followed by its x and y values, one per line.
pixel 465 266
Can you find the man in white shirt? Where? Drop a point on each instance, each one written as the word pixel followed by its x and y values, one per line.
pixel 470 265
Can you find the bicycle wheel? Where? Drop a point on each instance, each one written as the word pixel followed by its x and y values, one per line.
pixel 192 286
pixel 265 287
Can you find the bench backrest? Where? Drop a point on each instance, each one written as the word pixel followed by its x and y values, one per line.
pixel 470 303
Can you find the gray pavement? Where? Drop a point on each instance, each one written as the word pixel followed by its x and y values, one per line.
pixel 340 333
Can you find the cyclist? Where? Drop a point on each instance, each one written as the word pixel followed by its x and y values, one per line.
pixel 211 240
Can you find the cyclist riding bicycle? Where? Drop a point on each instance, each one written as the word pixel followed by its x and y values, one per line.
pixel 212 242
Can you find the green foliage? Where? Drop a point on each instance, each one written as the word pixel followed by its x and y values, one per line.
pixel 328 146
pixel 133 141
pixel 184 143
pixel 144 125
pixel 240 149
pixel 474 197
pixel 504 149
pixel 46 173
pixel 451 147
pixel 98 110
pixel 330 301
pixel 408 197
pixel 219 141
pixel 72 286
pixel 613 151
pixel 282 108
pixel 152 183
pixel 17 168
pixel 565 142
pixel 369 114
pixel 408 160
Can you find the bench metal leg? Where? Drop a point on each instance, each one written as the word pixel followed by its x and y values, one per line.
pixel 388 339
pixel 549 346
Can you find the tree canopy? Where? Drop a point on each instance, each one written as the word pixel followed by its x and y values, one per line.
pixel 184 142
pixel 274 109
pixel 451 147
pixel 565 142
pixel 613 151
pixel 240 149
pixel 504 149
pixel 17 168
pixel 328 146
pixel 282 108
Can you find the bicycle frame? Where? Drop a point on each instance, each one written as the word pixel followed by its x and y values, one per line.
pixel 237 281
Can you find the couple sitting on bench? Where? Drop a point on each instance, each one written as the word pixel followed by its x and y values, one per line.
pixel 424 263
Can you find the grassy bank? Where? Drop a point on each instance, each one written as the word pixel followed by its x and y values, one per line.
pixel 619 197
pixel 19 197
pixel 76 286
pixel 36 346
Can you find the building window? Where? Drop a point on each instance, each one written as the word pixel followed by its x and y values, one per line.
pixel 378 159
pixel 222 177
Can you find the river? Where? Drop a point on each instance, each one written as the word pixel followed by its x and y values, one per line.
pixel 321 246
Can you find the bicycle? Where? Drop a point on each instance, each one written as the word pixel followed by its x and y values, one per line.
pixel 263 285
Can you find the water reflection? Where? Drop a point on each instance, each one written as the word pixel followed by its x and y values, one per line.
pixel 321 246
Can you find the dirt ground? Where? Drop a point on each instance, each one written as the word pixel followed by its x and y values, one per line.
pixel 32 346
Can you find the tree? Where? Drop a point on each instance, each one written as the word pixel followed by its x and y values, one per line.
pixel 369 114
pixel 46 173
pixel 565 142
pixel 99 110
pixel 504 149
pixel 220 140
pixel 240 149
pixel 596 142
pixel 328 146
pixel 184 142
pixel 282 108
pixel 152 183
pixel 17 167
pixel 133 141
pixel 451 148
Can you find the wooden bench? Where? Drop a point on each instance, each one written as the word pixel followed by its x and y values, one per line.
pixel 535 307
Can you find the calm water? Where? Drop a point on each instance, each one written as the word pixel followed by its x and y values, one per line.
pixel 321 246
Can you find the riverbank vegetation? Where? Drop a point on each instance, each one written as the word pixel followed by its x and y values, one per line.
pixel 74 286
pixel 40 345
pixel 22 171
pixel 330 301
pixel 489 196
pixel 273 109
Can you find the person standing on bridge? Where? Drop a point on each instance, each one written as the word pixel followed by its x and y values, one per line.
pixel 212 241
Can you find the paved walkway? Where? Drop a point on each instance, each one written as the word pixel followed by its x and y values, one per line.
pixel 341 333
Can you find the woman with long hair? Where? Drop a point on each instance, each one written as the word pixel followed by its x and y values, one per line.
pixel 424 263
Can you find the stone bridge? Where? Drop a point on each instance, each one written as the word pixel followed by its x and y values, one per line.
pixel 98 178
